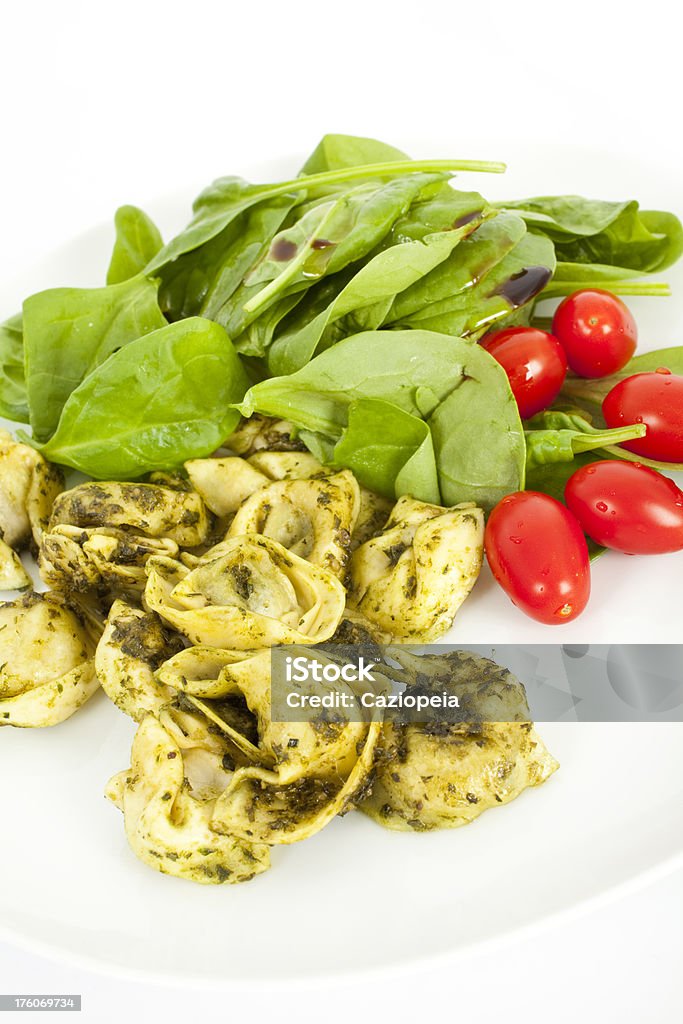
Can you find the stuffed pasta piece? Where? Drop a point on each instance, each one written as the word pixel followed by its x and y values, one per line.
pixel 247 592
pixel 168 797
pixel 101 535
pixel 47 669
pixel 312 518
pixel 297 776
pixel 411 579
pixel 28 487
pixel 442 775
pixel 133 645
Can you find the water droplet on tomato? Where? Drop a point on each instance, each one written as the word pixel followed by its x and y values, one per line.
pixel 601 506
pixel 663 369
pixel 516 540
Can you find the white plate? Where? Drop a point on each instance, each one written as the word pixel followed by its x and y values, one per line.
pixel 355 897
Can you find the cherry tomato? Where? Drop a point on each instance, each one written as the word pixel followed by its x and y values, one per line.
pixel 655 399
pixel 628 507
pixel 539 556
pixel 597 332
pixel 535 363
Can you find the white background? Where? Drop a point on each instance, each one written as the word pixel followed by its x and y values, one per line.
pixel 110 103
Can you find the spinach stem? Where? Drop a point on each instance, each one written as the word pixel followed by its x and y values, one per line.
pixel 283 279
pixel 385 170
pixel 556 289
pixel 587 442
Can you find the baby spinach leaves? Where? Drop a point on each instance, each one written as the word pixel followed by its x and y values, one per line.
pixel 454 386
pixel 571 277
pixel 389 450
pixel 223 201
pixel 68 332
pixel 478 437
pixel 165 398
pixel 594 231
pixel 137 242
pixel 331 235
pixel 336 151
pixel 497 270
pixel 364 302
pixel 414 371
pixel 204 280
pixel 363 284
pixel 13 401
pixel 593 392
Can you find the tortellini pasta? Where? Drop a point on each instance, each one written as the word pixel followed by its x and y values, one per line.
pixel 102 534
pixel 179 595
pixel 154 510
pixel 28 487
pixel 412 578
pixel 247 592
pixel 447 777
pixel 99 557
pixel 256 804
pixel 286 465
pixel 311 518
pixel 168 808
pixel 446 774
pixel 46 655
pixel 372 516
pixel 263 433
pixel 224 483
pixel 13 576
pixel 294 748
pixel 134 643
pixel 301 774
pixel 305 773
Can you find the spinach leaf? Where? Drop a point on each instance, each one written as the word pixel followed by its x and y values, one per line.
pixel 595 231
pixel 612 448
pixel 478 437
pixel 328 237
pixel 160 400
pixel 468 264
pixel 336 151
pixel 137 242
pixel 460 391
pixel 202 281
pixel 555 436
pixel 70 331
pixel 483 297
pixel 13 401
pixel 257 336
pixel 445 209
pixel 218 205
pixel 414 370
pixel 388 450
pixel 364 302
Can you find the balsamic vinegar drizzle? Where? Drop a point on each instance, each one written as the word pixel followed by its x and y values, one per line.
pixel 523 285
